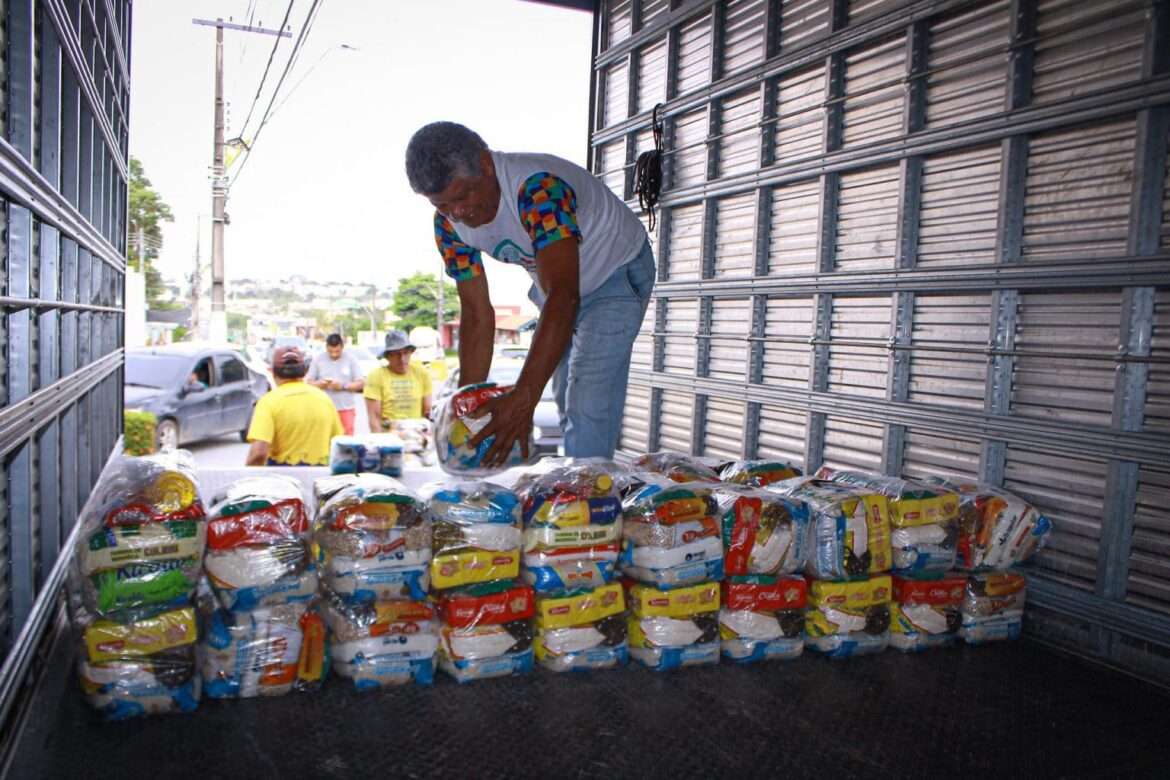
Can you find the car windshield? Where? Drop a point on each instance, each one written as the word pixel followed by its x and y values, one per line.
pixel 161 371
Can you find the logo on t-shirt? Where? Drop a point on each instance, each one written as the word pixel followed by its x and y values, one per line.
pixel 509 252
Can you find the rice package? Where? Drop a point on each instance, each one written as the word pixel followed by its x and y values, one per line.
pixel 996 528
pixel 849 618
pixel 924 520
pixel 671 629
pixel 457 426
pixel 486 631
pixel 476 533
pixel 993 607
pixel 672 534
pixel 925 613
pixel 762 618
pixel 850 528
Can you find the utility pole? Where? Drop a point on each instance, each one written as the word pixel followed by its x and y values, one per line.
pixel 218 330
pixel 197 279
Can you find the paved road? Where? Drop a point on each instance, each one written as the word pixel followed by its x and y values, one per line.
pixel 228 451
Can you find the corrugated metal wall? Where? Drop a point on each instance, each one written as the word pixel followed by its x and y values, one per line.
pixel 919 237
pixel 63 154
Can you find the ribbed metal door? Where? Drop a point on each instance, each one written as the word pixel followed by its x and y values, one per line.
pixel 922 238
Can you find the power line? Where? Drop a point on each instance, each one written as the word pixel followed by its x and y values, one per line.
pixel 308 73
pixel 271 55
pixel 250 11
pixel 298 45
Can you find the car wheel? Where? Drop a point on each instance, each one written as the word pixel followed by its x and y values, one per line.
pixel 167 434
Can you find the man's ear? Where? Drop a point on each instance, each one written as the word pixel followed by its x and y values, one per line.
pixel 487 165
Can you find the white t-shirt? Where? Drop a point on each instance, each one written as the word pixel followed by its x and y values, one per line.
pixel 536 209
pixel 345 369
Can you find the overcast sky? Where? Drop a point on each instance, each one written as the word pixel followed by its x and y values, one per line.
pixel 324 194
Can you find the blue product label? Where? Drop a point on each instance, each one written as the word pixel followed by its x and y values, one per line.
pixel 691 655
pixel 500 666
pixel 547 579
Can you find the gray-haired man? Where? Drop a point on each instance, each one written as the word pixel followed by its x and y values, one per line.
pixel 591 264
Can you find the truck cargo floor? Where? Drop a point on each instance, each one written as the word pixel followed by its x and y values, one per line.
pixel 1006 710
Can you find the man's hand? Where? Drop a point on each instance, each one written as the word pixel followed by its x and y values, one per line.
pixel 511 422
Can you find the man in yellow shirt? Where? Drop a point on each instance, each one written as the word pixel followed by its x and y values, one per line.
pixel 397 390
pixel 293 423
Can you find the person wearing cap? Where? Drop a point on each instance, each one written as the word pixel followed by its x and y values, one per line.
pixel 592 269
pixel 339 374
pixel 293 423
pixel 398 390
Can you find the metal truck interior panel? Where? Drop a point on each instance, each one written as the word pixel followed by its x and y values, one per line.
pixel 918 238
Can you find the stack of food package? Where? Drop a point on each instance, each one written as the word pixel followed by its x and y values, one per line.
pixel 367 453
pixel 848 561
pixel 765 539
pixel 672 541
pixel 486 615
pixel 262 634
pixel 136 567
pixel 677 467
pixel 373 539
pixel 757 473
pixel 997 531
pixel 925 613
pixel 457 426
pixel 572 533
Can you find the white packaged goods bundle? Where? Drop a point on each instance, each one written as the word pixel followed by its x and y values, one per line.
pixel 672 536
pixel 757 473
pixel 376 644
pixel 763 533
pixel 476 535
pixel 457 426
pixel 996 529
pixel 993 607
pixel 849 618
pixel 486 630
pixel 367 453
pixel 762 618
pixel 582 630
pixel 925 613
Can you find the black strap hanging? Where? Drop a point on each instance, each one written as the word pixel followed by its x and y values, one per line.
pixel 648 173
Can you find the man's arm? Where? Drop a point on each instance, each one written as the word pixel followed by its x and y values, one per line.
pixel 374 413
pixel 357 385
pixel 257 454
pixel 477 330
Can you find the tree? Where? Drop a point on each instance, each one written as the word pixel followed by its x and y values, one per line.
pixel 416 301
pixel 147 212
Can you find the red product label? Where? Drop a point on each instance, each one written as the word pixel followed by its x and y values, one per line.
pixel 940 593
pixel 138 514
pixel 283 520
pixel 462 611
pixel 743 535
pixel 785 593
pixel 467 402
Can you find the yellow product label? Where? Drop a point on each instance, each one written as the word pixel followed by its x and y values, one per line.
pixel 106 640
pixel 899 624
pixel 1002 584
pixel 935 510
pixel 580 608
pixel 679 603
pixel 472 566
pixel 635 636
pixel 851 595
pixel 581 536
pixel 877 524
pixel 563 515
pixel 150 542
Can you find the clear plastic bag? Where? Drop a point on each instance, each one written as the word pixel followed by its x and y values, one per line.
pixel 142 538
pixel 374 542
pixel 486 631
pixel 757 473
pixel 476 533
pixel 456 427
pixel 376 644
pixel 996 528
pixel 763 533
pixel 925 613
pixel 924 519
pixel 993 607
pixel 582 631
pixel 671 533
pixel 849 536
pixel 678 467
pixel 375 453
pixel 849 618
pixel 670 629
pixel 762 618
pixel 418 438
pixel 265 652
pixel 139 662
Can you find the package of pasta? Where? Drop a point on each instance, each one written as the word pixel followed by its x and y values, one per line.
pixel 486 631
pixel 373 453
pixel 142 538
pixel 457 425
pixel 374 542
pixel 763 532
pixel 993 607
pixel 849 535
pixel 996 528
pixel 139 663
pixel 924 520
pixel 265 652
pixel 382 643
pixel 476 534
pixel 925 613
pixel 762 618
pixel 757 473
pixel 677 467
pixel 849 618
pixel 572 524
pixel 672 536
pixel 582 631
pixel 671 629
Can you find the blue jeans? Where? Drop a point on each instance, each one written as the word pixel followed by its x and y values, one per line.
pixel 590 381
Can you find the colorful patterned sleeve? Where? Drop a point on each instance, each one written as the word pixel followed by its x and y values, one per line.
pixel 548 209
pixel 463 262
